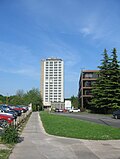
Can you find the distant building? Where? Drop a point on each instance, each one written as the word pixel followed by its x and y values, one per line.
pixel 52 81
pixel 68 105
pixel 87 78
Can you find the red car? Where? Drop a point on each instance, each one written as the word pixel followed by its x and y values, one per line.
pixel 19 108
pixel 8 118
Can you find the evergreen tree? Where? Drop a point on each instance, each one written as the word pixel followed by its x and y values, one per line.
pixel 99 100
pixel 114 81
pixel 106 90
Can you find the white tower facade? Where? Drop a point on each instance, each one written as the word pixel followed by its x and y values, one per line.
pixel 52 81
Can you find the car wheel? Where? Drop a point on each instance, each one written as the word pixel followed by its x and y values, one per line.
pixel 4 123
pixel 116 117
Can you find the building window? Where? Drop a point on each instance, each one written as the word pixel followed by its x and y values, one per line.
pixel 46 99
pixel 87 84
pixel 88 75
pixel 95 75
pixel 51 63
pixel 87 92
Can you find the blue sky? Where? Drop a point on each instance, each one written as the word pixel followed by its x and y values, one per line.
pixel 76 31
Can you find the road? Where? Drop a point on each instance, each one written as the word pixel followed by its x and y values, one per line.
pixel 100 119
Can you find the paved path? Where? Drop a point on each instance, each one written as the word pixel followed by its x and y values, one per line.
pixel 37 144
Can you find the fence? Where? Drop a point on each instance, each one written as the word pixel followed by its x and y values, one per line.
pixel 18 121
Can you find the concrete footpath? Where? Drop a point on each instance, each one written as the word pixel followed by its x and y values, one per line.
pixel 36 144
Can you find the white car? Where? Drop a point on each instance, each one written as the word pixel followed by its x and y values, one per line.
pixel 6 114
pixel 74 110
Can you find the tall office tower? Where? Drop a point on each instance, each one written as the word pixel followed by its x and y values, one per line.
pixel 52 81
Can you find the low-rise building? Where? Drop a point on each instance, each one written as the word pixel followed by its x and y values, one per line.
pixel 87 78
pixel 68 104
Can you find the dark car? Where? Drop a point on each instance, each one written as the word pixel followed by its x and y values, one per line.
pixel 18 112
pixel 116 114
pixel 56 110
pixel 4 107
pixel 13 113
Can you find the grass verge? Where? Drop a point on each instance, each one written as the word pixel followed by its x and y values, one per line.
pixel 4 154
pixel 74 128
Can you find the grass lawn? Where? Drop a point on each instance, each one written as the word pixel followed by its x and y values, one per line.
pixel 74 128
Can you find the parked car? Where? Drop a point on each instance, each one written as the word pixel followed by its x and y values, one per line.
pixel 8 118
pixel 8 112
pixel 4 107
pixel 61 110
pixel 23 109
pixel 13 113
pixel 116 114
pixel 58 110
pixel 17 110
pixel 3 124
pixel 74 110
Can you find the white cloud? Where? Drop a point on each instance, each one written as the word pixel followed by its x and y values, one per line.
pixel 86 31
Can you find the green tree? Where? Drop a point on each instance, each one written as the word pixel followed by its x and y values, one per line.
pixel 20 93
pixel 74 101
pixel 99 99
pixel 106 89
pixel 114 81
pixel 17 99
pixel 2 99
pixel 33 96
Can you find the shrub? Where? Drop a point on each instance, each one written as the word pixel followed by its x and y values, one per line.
pixel 10 135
